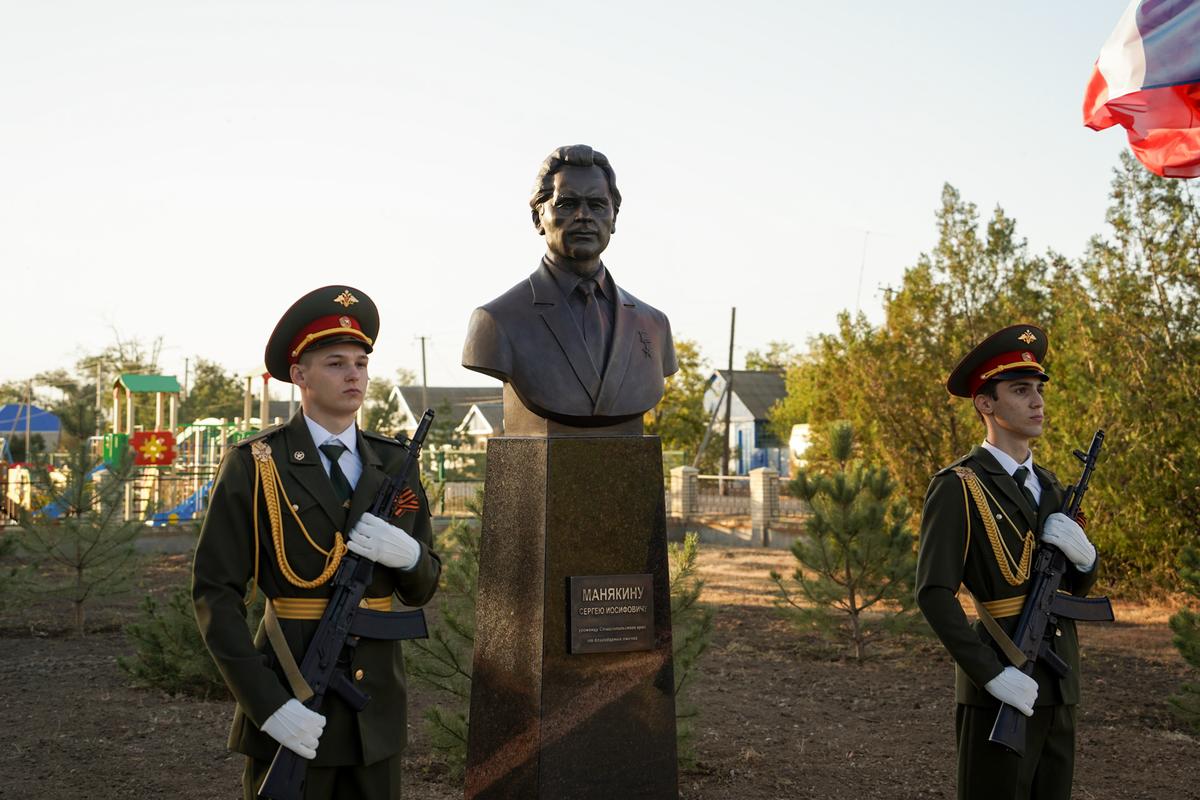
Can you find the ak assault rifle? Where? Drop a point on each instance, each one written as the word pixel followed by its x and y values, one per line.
pixel 1044 606
pixel 326 662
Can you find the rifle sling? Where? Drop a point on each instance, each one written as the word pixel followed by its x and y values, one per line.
pixel 1011 651
pixel 291 670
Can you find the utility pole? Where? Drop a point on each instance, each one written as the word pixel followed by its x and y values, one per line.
pixel 99 400
pixel 728 402
pixel 862 267
pixel 424 380
pixel 28 418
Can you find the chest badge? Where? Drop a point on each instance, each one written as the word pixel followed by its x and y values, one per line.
pixel 644 338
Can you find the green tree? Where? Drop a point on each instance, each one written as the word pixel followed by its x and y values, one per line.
pixel 888 379
pixel 123 356
pixel 443 431
pixel 212 392
pixel 37 448
pixel 691 632
pixel 72 399
pixel 679 418
pixel 1186 626
pixel 778 357
pixel 1124 325
pixel 9 570
pixel 857 552
pixel 168 651
pixel 443 661
pixel 383 412
pixel 1131 315
pixel 79 545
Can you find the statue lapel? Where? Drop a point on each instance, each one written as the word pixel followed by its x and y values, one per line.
pixel 624 343
pixel 548 301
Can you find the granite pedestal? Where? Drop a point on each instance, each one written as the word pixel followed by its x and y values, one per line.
pixel 547 724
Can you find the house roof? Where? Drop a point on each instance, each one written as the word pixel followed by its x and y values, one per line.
pixel 150 384
pixel 12 420
pixel 492 414
pixel 758 391
pixel 459 398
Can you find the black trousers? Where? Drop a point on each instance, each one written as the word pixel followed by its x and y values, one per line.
pixel 990 772
pixel 378 781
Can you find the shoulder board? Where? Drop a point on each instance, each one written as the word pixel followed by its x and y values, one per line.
pixel 264 433
pixel 379 437
pixel 954 467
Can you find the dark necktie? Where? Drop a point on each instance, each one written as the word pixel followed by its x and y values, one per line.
pixel 594 324
pixel 341 485
pixel 1019 476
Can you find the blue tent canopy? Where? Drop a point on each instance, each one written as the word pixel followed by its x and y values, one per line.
pixel 12 420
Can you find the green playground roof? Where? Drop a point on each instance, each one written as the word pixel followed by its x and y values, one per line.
pixel 149 384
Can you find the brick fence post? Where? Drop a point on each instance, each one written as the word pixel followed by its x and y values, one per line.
pixel 764 503
pixel 685 488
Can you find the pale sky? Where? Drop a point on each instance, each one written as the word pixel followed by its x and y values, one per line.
pixel 189 169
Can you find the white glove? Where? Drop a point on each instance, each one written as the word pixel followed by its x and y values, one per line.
pixel 296 727
pixel 383 543
pixel 1065 534
pixel 1015 688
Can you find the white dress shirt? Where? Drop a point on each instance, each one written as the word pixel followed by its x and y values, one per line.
pixel 349 461
pixel 1010 466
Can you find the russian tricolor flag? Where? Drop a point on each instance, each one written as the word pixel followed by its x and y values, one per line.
pixel 1147 80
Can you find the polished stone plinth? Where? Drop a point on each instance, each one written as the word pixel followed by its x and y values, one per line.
pixel 546 724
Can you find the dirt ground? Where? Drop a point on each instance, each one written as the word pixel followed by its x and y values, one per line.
pixel 781 715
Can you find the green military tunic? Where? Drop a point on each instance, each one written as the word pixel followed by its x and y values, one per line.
pixel 957 548
pixel 227 557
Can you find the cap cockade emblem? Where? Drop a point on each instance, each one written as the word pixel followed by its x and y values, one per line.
pixel 346 299
pixel 1027 337
pixel 1027 356
pixel 344 322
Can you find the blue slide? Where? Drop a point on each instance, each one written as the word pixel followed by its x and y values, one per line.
pixel 185 510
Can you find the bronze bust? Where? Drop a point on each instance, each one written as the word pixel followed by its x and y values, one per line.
pixel 569 343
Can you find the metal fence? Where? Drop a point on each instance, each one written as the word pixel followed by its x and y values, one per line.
pixel 453 498
pixel 733 501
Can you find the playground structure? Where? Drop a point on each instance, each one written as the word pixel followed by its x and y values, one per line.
pixel 175 465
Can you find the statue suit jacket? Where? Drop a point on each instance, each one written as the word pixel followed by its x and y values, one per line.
pixel 528 338
pixel 955 549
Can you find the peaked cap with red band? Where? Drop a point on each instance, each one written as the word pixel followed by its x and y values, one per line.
pixel 1015 352
pixel 325 316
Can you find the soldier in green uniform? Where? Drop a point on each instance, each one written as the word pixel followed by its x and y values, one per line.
pixel 983 517
pixel 286 506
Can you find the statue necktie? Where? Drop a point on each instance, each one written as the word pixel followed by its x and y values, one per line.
pixel 341 485
pixel 594 324
pixel 1019 476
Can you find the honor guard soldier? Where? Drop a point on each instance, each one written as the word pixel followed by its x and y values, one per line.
pixel 287 504
pixel 982 519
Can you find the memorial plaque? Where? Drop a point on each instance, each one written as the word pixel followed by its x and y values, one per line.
pixel 611 613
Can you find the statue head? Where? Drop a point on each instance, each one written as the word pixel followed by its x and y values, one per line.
pixel 575 202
